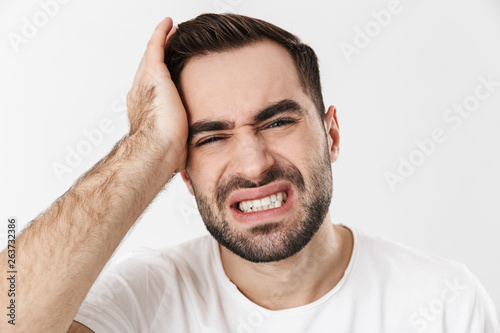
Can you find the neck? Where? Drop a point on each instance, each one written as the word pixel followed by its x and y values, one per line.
pixel 299 280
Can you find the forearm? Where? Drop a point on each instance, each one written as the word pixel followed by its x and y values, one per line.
pixel 62 252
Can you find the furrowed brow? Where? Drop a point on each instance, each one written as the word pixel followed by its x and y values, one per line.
pixel 283 106
pixel 203 126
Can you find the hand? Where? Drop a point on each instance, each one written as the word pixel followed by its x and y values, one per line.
pixel 154 105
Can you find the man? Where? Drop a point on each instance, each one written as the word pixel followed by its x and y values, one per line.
pixel 236 108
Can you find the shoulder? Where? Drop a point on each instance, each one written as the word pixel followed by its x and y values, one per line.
pixel 399 264
pixel 165 260
pixel 132 289
pixel 146 270
pixel 386 254
pixel 432 285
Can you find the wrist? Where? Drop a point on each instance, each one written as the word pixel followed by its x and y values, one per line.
pixel 159 146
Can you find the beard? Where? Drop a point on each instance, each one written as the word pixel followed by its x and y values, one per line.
pixel 274 240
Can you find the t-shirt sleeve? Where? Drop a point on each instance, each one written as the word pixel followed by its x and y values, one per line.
pixel 484 314
pixel 126 295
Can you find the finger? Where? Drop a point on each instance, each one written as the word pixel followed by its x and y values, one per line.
pixel 171 32
pixel 156 45
pixel 161 32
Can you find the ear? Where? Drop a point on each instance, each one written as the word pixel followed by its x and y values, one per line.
pixel 332 133
pixel 185 178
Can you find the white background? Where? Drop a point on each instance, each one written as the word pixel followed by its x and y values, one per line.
pixel 75 71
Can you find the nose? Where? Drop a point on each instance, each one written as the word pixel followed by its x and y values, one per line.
pixel 251 157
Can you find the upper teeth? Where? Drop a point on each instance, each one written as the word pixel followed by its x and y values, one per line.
pixel 272 201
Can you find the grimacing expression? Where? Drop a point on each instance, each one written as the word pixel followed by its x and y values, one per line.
pixel 251 124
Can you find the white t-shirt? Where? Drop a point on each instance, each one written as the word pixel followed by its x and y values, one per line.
pixel 386 288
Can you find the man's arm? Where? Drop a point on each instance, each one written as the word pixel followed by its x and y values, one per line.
pixel 61 253
pixel 76 327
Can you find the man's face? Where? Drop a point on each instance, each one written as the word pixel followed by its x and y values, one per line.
pixel 259 159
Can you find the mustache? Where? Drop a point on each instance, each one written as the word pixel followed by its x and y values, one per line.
pixel 275 173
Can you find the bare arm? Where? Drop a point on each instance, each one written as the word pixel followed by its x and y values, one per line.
pixel 76 327
pixel 62 252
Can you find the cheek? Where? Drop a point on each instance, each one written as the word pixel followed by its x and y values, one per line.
pixel 298 147
pixel 204 171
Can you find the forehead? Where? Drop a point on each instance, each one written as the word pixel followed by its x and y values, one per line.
pixel 233 85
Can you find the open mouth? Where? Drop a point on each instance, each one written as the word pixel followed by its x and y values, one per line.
pixel 262 204
pixel 274 200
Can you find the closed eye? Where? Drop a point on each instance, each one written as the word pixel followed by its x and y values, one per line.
pixel 281 122
pixel 275 124
pixel 210 140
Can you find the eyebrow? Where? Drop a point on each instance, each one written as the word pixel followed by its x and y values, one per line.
pixel 283 106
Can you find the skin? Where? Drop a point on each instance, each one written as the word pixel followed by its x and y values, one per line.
pixel 62 251
pixel 265 74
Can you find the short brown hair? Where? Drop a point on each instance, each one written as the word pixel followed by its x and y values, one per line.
pixel 210 33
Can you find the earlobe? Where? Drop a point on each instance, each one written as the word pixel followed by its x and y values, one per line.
pixel 187 181
pixel 332 131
